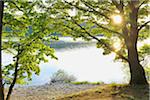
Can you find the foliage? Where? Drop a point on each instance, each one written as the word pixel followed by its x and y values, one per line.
pixel 25 34
pixel 88 19
pixel 144 51
pixel 62 76
pixel 147 71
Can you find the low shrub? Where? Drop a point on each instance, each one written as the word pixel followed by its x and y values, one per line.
pixel 62 76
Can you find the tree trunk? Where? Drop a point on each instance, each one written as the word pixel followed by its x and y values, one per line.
pixel 14 81
pixel 1 79
pixel 136 70
pixel 15 75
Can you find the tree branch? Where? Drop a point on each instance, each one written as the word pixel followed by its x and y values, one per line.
pixel 16 5
pixel 115 3
pixel 15 74
pixel 101 42
pixel 91 7
pixel 141 4
pixel 105 28
pixel 142 26
pixel 10 51
pixel 104 9
pixel 80 35
pixel 119 6
pixel 93 10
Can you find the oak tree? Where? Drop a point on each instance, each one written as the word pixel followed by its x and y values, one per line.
pixel 117 26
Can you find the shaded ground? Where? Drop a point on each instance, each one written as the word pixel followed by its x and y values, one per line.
pixel 111 92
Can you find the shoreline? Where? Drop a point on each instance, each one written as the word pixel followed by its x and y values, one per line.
pixel 48 91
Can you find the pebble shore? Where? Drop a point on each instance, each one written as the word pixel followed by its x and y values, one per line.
pixel 48 91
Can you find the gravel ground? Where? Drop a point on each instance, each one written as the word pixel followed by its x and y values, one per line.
pixel 48 91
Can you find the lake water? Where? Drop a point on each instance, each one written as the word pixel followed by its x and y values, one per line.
pixel 81 59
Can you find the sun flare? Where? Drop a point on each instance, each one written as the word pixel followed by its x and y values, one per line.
pixel 117 19
pixel 117 45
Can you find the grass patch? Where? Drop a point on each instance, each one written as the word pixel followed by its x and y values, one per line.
pixel 110 92
pixel 86 82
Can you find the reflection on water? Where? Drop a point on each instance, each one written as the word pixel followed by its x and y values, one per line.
pixel 68 43
pixel 84 62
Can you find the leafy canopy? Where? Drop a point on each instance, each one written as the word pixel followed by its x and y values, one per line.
pixel 26 36
pixel 94 19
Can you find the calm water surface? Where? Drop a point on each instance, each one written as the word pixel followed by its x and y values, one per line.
pixel 81 59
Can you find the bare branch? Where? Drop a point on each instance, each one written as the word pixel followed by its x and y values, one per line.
pixel 101 42
pixel 142 26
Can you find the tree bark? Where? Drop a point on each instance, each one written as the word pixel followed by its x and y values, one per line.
pixel 15 75
pixel 136 70
pixel 14 81
pixel 1 79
